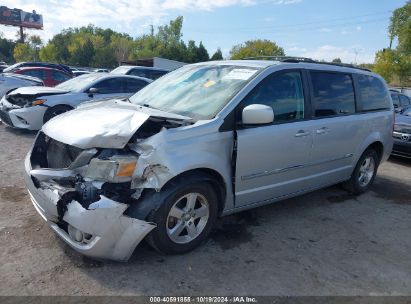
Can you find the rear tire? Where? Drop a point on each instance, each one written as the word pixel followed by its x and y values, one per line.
pixel 364 173
pixel 184 219
pixel 54 111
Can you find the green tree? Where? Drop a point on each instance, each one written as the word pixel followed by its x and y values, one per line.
pixel 104 58
pixel 49 53
pixel 94 46
pixel 192 52
pixel 6 50
pixel 336 60
pixel 395 64
pixel 400 17
pixel 22 52
pixel 255 48
pixel 385 64
pixel 202 54
pixel 86 53
pixel 122 48
pixel 218 55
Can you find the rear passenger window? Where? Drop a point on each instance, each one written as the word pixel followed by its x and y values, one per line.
pixel 135 85
pixel 404 100
pixel 374 95
pixel 281 91
pixel 36 73
pixel 60 77
pixel 333 94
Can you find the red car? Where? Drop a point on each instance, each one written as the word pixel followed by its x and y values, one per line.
pixel 50 77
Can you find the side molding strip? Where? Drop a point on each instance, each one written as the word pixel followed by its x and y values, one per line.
pixel 282 170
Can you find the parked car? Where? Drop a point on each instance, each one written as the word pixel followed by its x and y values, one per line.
pixel 30 107
pixel 402 133
pixel 403 90
pixel 205 140
pixel 9 82
pixel 50 77
pixel 399 100
pixel 20 65
pixel 101 71
pixel 79 72
pixel 2 67
pixel 141 71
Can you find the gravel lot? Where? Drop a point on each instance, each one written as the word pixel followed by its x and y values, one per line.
pixel 323 243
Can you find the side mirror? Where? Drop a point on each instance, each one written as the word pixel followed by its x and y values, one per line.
pixel 257 114
pixel 92 91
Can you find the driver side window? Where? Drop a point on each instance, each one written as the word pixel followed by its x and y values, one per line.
pixel 283 92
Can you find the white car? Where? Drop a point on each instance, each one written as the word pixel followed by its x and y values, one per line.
pixel 9 81
pixel 30 107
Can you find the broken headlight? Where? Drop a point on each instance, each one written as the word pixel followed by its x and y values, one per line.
pixel 116 169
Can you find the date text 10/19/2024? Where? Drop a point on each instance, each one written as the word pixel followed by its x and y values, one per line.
pixel 234 299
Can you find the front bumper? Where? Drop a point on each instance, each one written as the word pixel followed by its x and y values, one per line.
pixel 402 144
pixel 402 149
pixel 109 233
pixel 30 118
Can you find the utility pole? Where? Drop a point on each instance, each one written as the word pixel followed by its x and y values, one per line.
pixel 21 34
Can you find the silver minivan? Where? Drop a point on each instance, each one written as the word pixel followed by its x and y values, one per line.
pixel 206 140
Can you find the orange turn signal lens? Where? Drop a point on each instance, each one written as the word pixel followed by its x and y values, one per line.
pixel 126 169
pixel 38 102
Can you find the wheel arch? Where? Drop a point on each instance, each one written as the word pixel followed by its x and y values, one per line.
pixel 212 176
pixel 378 147
pixel 150 199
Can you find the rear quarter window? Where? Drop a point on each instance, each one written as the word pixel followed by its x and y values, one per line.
pixel 373 93
pixel 333 94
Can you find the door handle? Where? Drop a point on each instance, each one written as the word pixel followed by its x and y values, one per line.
pixel 302 133
pixel 323 130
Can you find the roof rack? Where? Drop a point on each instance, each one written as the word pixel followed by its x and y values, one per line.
pixel 305 60
pixel 281 58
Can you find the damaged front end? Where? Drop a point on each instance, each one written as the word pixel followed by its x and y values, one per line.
pixel 83 193
pixel 88 166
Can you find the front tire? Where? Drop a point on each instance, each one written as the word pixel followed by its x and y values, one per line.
pixel 364 173
pixel 185 218
pixel 54 111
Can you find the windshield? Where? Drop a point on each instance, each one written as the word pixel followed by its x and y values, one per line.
pixel 197 91
pixel 12 67
pixel 79 83
pixel 120 70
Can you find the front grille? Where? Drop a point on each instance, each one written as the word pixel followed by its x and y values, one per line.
pixel 60 155
pixel 4 116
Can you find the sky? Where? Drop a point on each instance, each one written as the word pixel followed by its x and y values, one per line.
pixel 352 30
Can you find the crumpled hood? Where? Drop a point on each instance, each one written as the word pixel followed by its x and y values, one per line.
pixel 37 91
pixel 108 124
